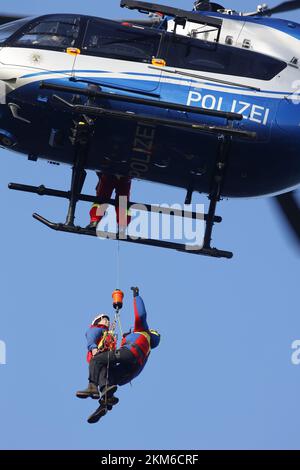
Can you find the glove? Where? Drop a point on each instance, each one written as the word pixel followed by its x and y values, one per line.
pixel 135 291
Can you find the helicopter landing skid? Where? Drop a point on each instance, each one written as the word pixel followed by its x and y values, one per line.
pixel 192 249
pixel 77 230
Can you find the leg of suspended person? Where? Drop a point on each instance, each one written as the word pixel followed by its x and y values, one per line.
pixel 99 362
pixel 104 191
pixel 125 373
pixel 105 376
pixel 92 389
pixel 120 362
pixel 94 372
pixel 123 187
pixel 111 358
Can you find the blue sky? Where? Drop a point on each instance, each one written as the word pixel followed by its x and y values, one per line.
pixel 222 377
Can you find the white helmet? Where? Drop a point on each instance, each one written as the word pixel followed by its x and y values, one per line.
pixel 98 319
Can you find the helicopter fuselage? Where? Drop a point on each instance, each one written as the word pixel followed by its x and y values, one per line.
pixel 157 65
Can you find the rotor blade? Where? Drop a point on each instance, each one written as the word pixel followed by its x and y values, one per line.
pixel 290 209
pixel 285 6
pixel 281 8
pixel 5 18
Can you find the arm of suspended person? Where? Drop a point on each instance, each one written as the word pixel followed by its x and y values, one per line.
pixel 140 314
pixel 93 336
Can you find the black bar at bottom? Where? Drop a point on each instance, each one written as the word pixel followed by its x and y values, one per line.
pixel 212 252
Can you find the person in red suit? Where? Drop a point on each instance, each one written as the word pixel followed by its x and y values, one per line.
pixel 104 189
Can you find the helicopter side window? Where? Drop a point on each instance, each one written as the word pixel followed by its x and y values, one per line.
pixel 51 33
pixel 216 58
pixel 121 42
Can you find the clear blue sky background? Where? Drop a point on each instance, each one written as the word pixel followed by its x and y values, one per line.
pixel 222 377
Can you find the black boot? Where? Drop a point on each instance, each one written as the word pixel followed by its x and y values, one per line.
pixel 107 392
pixel 135 291
pixel 92 226
pixel 99 413
pixel 109 401
pixel 92 391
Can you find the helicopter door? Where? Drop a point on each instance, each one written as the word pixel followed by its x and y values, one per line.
pixel 118 56
pixel 218 77
pixel 175 86
pixel 45 45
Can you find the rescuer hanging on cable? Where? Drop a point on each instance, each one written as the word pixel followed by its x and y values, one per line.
pixel 104 189
pixel 99 339
pixel 127 362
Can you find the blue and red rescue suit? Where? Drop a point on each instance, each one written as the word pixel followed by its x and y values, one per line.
pixel 93 336
pixel 138 341
pixel 127 362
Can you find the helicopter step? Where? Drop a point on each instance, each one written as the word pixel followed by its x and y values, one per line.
pixel 44 191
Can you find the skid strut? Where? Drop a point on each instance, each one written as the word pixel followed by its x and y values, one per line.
pixel 81 132
pixel 218 178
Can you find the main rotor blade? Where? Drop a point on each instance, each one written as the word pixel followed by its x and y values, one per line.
pixel 290 209
pixel 281 8
pixel 5 18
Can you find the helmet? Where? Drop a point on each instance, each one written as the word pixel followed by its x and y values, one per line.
pixel 154 339
pixel 98 319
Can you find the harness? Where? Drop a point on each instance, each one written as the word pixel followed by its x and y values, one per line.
pixel 108 341
pixel 141 355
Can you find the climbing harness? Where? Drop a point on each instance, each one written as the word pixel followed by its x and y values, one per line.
pixel 108 341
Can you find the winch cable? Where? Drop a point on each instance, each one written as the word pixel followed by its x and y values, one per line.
pixel 118 264
pixel 117 297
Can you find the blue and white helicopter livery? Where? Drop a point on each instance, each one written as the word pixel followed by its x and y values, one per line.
pixel 206 100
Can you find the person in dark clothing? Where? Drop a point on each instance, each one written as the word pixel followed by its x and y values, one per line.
pixel 127 362
pixel 99 340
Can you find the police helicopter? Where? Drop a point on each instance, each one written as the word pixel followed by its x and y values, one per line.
pixel 206 100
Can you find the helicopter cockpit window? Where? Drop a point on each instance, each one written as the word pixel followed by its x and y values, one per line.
pixel 52 32
pixel 8 29
pixel 121 42
pixel 194 54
